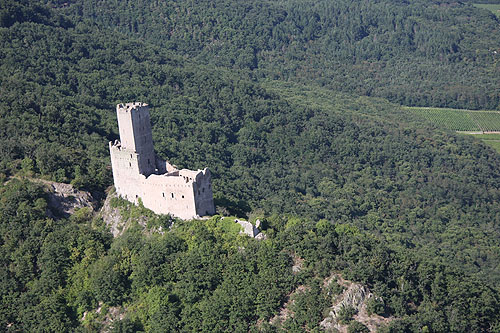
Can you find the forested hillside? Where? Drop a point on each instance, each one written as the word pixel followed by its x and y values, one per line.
pixel 347 184
pixel 422 53
pixel 201 277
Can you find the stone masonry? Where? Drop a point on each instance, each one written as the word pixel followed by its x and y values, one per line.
pixel 139 174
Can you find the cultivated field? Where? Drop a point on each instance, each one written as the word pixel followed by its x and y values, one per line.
pixel 484 122
pixel 494 8
pixel 460 120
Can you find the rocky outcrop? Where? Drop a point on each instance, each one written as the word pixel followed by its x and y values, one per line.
pixel 104 317
pixel 119 215
pixel 354 296
pixel 298 263
pixel 64 199
pixel 114 218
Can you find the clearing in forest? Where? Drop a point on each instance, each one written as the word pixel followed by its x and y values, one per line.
pixel 460 120
pixel 492 7
pixel 484 125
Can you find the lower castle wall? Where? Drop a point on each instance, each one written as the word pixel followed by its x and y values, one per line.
pixel 183 193
pixel 168 195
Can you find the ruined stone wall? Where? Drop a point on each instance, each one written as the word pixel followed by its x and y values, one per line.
pixel 125 171
pixel 182 193
pixel 203 194
pixel 139 174
pixel 169 195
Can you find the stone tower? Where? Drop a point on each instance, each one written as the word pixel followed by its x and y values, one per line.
pixel 135 135
pixel 139 174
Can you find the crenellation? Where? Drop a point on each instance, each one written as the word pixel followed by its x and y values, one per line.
pixel 139 173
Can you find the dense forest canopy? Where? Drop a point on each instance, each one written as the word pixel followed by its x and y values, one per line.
pixel 423 53
pixel 200 277
pixel 349 184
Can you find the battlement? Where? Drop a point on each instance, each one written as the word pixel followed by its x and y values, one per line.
pixel 139 174
pixel 127 107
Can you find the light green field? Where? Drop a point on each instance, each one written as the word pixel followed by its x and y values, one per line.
pixel 491 139
pixel 488 136
pixel 464 121
pixel 494 144
pixel 494 8
pixel 460 120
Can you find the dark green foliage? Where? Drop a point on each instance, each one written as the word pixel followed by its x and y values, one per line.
pixel 154 261
pixel 166 318
pixel 20 11
pixel 37 257
pixel 357 327
pixel 47 313
pixel 202 279
pixel 319 155
pixel 335 289
pixel 109 282
pixel 349 185
pixel 405 282
pixel 345 314
pixel 126 326
pixel 309 306
pixel 421 52
pixel 375 306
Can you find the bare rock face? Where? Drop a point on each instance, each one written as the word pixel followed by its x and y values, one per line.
pixel 112 216
pixel 114 219
pixel 119 217
pixel 64 199
pixel 105 317
pixel 354 296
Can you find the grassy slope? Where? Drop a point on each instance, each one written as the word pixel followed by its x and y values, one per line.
pixel 494 8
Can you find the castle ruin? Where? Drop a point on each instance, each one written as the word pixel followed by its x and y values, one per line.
pixel 139 174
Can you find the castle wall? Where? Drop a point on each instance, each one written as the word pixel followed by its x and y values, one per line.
pixel 203 194
pixel 163 166
pixel 169 195
pixel 139 174
pixel 182 193
pixel 125 172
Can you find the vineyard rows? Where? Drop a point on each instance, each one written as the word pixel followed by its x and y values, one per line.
pixel 460 120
